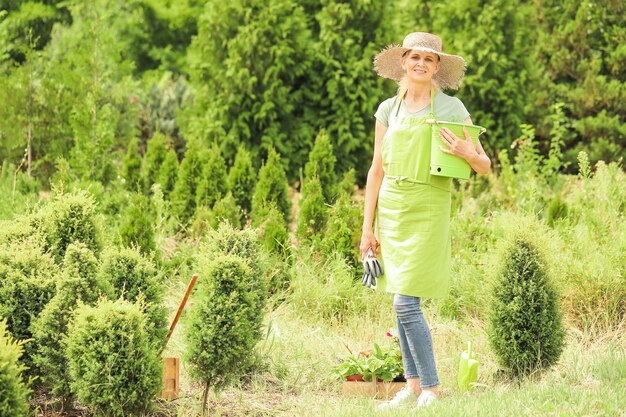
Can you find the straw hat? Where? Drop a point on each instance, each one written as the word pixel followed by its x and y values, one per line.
pixel 388 63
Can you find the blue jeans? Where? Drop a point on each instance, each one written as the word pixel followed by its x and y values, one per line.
pixel 416 343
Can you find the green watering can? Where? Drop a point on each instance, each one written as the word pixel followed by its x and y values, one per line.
pixel 446 165
pixel 468 369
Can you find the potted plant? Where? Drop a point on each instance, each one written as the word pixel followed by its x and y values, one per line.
pixel 376 372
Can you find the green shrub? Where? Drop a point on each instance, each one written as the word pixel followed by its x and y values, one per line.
pixel 525 328
pixel 183 195
pixel 113 366
pixel 343 229
pixel 272 230
pixel 134 277
pixel 137 228
pixel 213 185
pixel 226 208
pixel 154 159
pixel 321 164
pixel 78 284
pixel 224 323
pixel 272 187
pixel 168 172
pixel 313 212
pixel 241 179
pixel 131 166
pixel 65 219
pixel 13 391
pixel 347 183
pixel 27 280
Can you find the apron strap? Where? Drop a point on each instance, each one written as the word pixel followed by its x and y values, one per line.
pixel 399 102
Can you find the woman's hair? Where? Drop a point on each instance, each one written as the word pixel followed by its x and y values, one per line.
pixel 403 86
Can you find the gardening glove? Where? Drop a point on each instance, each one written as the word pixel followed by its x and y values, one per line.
pixel 372 269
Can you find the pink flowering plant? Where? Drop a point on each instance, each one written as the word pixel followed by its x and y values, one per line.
pixel 380 362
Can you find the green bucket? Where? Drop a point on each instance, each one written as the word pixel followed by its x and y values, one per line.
pixel 446 165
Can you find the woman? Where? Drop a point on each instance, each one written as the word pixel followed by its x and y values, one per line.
pixel 412 206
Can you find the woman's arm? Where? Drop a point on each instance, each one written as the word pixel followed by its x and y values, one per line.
pixel 475 156
pixel 374 179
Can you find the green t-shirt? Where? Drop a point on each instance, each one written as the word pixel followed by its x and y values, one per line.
pixel 447 108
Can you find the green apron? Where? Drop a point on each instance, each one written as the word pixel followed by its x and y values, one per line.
pixel 413 212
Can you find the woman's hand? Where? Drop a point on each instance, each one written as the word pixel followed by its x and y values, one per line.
pixel 463 148
pixel 368 240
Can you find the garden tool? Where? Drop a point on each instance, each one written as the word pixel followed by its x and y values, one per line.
pixel 372 269
pixel 468 369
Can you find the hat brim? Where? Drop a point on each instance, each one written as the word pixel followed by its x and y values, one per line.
pixel 388 64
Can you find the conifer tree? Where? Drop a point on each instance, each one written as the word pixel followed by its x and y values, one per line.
pixel 241 179
pixel 154 160
pixel 313 211
pixel 136 228
pixel 183 196
pixel 525 323
pixel 322 164
pixel 343 233
pixel 131 166
pixel 224 323
pixel 168 173
pixel 213 185
pixel 226 209
pixel 272 187
pixel 245 95
pixel 273 233
pixel 14 392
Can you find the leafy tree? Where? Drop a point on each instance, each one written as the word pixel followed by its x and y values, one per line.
pixel 189 173
pixel 272 187
pixel 322 164
pixel 525 323
pixel 13 390
pixel 213 185
pixel 313 211
pixel 154 159
pixel 131 165
pixel 344 91
pixel 224 324
pixel 241 179
pixel 168 173
pixel 112 336
pixel 580 48
pixel 248 71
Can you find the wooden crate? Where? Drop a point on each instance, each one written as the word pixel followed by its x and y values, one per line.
pixel 379 390
pixel 171 378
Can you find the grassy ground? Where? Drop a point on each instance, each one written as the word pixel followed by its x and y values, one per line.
pixel 300 351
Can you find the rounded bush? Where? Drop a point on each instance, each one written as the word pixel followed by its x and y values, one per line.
pixel 130 275
pixel 13 390
pixel 114 369
pixel 68 218
pixel 27 283
pixel 525 323
pixel 78 283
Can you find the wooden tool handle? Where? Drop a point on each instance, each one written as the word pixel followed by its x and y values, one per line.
pixel 180 309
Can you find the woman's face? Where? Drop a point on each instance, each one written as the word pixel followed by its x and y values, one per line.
pixel 420 65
